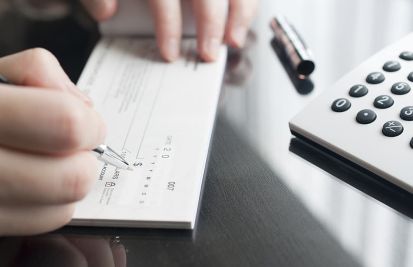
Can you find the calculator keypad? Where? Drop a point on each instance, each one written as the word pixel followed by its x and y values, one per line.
pixel 391 128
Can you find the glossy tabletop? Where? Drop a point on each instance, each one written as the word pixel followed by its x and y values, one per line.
pixel 268 198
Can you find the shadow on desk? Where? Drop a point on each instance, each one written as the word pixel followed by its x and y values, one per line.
pixel 369 183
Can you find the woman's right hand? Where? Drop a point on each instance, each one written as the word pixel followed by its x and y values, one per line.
pixel 47 129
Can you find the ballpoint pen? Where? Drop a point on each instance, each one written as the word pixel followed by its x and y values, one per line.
pixel 109 156
pixel 103 152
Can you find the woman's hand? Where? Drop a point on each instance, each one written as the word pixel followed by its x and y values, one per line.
pixel 217 21
pixel 47 129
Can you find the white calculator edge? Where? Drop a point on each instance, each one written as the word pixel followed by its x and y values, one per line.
pixel 364 144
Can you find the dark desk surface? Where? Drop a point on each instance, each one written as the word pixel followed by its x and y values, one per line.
pixel 268 199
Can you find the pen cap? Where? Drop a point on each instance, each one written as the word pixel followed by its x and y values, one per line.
pixel 293 46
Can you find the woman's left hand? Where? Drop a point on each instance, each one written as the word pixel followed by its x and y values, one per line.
pixel 217 21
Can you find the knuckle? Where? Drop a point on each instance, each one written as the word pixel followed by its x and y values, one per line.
pixel 79 177
pixel 40 55
pixel 37 61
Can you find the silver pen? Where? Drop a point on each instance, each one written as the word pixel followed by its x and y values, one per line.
pixel 293 47
pixel 103 152
pixel 109 156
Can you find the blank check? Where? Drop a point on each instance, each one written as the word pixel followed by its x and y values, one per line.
pixel 160 116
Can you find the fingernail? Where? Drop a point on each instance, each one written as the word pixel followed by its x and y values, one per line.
pixel 212 48
pixel 171 49
pixel 239 35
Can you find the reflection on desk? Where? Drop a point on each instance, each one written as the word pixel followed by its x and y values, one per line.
pixel 59 250
pixel 369 183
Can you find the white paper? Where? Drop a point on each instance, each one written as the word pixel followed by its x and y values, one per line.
pixel 160 116
pixel 134 17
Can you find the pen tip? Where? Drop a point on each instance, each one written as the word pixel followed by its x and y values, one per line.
pixel 128 166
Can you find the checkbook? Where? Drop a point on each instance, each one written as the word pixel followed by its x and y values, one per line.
pixel 160 116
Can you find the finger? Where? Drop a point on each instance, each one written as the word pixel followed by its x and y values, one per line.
pixel 47 121
pixel 119 255
pixel 168 24
pixel 33 219
pixel 34 179
pixel 210 17
pixel 39 68
pixel 96 251
pixel 100 9
pixel 241 14
pixel 55 248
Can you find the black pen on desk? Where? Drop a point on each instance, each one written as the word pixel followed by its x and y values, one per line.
pixel 296 51
pixel 103 152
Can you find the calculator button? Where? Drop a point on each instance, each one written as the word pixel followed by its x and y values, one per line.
pixel 358 90
pixel 410 77
pixel 406 55
pixel 383 101
pixel 400 88
pixel 392 66
pixel 375 78
pixel 392 128
pixel 366 116
pixel 340 105
pixel 407 113
pixel 411 143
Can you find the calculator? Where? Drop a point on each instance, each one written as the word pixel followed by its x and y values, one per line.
pixel 367 116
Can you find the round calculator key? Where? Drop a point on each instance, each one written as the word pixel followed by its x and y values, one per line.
pixel 383 101
pixel 340 105
pixel 358 90
pixel 375 78
pixel 410 76
pixel 400 88
pixel 392 66
pixel 407 113
pixel 406 55
pixel 366 116
pixel 392 128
